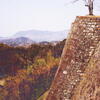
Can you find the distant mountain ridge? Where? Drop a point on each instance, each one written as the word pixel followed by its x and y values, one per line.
pixel 39 36
pixel 21 41
pixel 2 38
pixel 24 38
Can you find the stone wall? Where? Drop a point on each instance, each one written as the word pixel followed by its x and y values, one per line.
pixel 89 87
pixel 79 48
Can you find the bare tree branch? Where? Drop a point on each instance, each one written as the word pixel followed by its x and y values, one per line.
pixel 74 1
pixel 89 4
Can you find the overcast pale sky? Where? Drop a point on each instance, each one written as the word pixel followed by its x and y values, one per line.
pixel 53 15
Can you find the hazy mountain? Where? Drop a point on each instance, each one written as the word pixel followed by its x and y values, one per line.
pixel 20 41
pixel 24 38
pixel 1 38
pixel 39 36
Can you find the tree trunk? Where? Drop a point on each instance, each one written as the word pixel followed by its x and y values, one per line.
pixel 90 6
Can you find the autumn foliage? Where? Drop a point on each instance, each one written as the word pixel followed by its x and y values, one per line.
pixel 26 73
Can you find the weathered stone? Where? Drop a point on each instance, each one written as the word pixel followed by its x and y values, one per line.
pixel 79 48
pixel 89 87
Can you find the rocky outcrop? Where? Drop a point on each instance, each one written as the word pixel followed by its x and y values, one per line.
pixel 78 51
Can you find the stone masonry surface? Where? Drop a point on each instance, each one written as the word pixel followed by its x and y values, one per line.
pixel 79 48
pixel 89 87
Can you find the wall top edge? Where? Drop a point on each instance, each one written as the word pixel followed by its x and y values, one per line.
pixel 93 17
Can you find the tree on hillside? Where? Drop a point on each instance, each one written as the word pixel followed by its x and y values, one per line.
pixel 89 4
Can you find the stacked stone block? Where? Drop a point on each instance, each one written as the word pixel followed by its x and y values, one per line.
pixel 79 48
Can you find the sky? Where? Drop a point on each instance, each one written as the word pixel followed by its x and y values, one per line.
pixel 49 15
